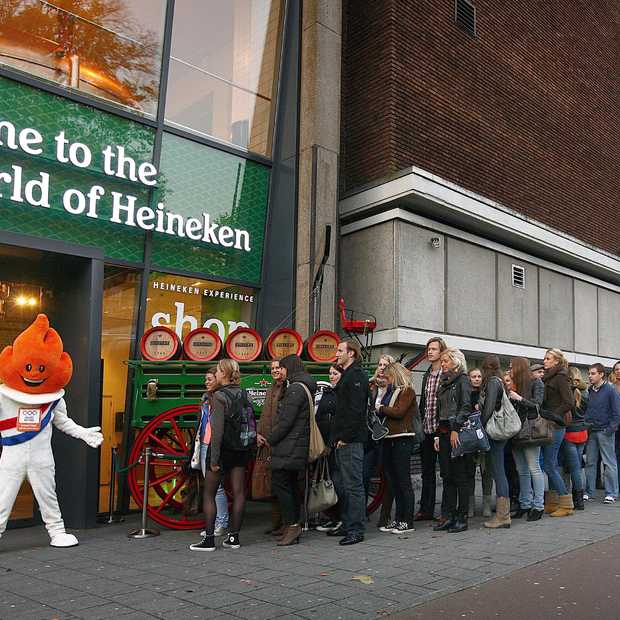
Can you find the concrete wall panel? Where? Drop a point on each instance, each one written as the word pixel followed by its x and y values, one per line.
pixel 556 310
pixel 471 290
pixel 367 272
pixel 517 308
pixel 420 275
pixel 586 340
pixel 609 323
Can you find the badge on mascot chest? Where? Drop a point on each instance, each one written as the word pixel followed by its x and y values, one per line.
pixel 28 420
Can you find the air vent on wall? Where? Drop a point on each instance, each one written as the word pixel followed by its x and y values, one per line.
pixel 465 16
pixel 518 276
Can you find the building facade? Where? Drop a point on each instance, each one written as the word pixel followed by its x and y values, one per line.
pixel 146 149
pixel 478 177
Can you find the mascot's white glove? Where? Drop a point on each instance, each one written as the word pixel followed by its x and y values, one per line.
pixel 92 436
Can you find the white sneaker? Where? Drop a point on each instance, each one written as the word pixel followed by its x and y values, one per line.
pixel 609 499
pixel 388 528
pixel 587 498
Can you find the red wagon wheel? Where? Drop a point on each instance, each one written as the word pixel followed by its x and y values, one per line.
pixel 376 489
pixel 170 436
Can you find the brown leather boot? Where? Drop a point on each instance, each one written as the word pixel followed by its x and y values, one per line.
pixel 290 536
pixel 566 507
pixel 502 514
pixel 279 531
pixel 552 501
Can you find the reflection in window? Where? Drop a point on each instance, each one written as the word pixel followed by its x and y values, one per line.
pixel 183 304
pixel 106 48
pixel 224 69
pixel 121 289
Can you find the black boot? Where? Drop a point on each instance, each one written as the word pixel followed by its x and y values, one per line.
pixel 517 514
pixel 578 499
pixel 460 524
pixel 445 524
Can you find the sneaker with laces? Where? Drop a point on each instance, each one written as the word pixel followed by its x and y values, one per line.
pixel 232 541
pixel 330 526
pixel 403 527
pixel 388 528
pixel 587 498
pixel 206 544
pixel 609 499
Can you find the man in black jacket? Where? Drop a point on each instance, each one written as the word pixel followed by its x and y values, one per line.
pixel 349 434
pixel 428 412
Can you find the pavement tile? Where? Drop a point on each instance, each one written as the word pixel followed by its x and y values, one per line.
pixel 195 612
pixel 106 587
pixel 78 603
pixel 212 599
pixel 258 610
pixel 104 612
pixel 332 611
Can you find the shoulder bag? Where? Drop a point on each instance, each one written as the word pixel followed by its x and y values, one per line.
pixel 261 475
pixel 317 445
pixel 505 422
pixel 322 494
pixel 472 437
pixel 535 431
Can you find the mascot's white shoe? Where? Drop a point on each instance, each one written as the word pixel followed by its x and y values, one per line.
pixel 64 540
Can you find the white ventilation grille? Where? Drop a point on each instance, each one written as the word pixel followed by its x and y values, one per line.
pixel 518 276
pixel 465 16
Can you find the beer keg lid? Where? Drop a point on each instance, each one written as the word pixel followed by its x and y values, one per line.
pixel 244 344
pixel 321 346
pixel 159 344
pixel 202 345
pixel 284 342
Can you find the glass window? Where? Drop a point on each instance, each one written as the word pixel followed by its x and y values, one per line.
pixel 224 69
pixel 121 290
pixel 107 48
pixel 183 304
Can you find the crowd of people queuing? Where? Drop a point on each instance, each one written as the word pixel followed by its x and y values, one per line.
pixel 377 424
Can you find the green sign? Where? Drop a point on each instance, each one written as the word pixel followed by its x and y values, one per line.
pixel 70 172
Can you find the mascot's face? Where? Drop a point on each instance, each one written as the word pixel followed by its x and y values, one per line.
pixel 36 363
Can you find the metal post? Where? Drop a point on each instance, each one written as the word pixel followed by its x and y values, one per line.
pixel 143 532
pixel 112 518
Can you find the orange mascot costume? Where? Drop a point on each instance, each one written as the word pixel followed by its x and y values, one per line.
pixel 33 373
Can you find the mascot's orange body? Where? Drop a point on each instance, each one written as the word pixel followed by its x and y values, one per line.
pixel 33 373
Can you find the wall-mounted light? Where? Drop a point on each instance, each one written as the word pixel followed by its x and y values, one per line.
pixel 435 242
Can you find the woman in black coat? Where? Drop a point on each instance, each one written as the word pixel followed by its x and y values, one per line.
pixel 454 409
pixel 290 441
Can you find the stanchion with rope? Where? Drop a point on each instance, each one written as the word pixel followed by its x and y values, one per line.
pixel 112 516
pixel 144 532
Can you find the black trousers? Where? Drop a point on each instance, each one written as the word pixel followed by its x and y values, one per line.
pixel 429 474
pixel 397 467
pixel 458 479
pixel 284 484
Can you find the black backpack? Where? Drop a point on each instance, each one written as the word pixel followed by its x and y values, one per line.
pixel 239 421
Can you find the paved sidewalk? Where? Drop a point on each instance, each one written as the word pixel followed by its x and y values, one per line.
pixel 111 576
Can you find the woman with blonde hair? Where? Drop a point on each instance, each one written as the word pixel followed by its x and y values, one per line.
pixel 454 409
pixel 576 437
pixel 223 459
pixel 379 392
pixel 556 408
pixel 398 445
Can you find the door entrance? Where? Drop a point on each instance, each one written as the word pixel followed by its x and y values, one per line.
pixel 67 289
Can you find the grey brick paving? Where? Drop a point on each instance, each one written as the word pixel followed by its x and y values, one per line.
pixel 110 576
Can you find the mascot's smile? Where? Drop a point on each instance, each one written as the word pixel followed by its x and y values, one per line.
pixel 32 383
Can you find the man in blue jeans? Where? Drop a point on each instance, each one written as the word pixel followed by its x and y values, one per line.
pixel 349 433
pixel 603 417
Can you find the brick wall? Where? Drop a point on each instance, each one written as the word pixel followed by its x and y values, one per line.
pixel 526 113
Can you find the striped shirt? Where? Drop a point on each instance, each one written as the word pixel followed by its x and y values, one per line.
pixel 431 420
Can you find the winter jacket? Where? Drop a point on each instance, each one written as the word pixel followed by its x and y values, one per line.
pixel 290 436
pixel 603 412
pixel 325 413
pixel 264 425
pixel 454 400
pixel 491 396
pixel 559 398
pixel 350 419
pixel 529 405
pixel 399 412
pixel 579 413
pixel 220 410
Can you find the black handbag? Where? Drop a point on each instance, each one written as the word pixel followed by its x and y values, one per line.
pixel 472 437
